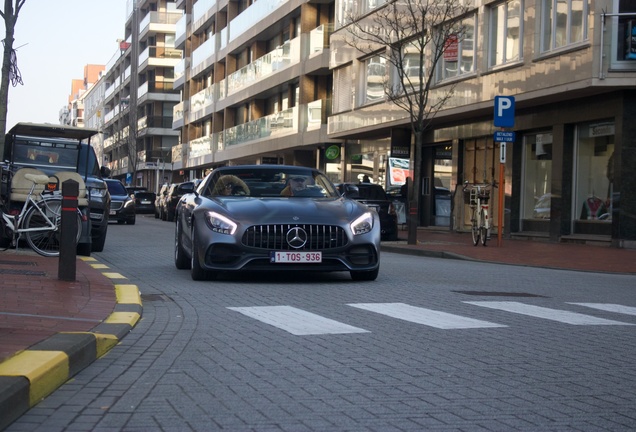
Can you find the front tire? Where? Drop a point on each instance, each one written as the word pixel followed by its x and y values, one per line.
pixel 46 242
pixel 197 272
pixel 181 260
pixel 474 229
pixel 484 230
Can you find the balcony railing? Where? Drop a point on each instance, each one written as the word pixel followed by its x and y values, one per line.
pixel 154 122
pixel 159 18
pixel 200 101
pixel 280 58
pixel 160 53
pixel 202 53
pixel 199 10
pixel 155 87
pixel 278 124
pixel 319 38
pixel 257 12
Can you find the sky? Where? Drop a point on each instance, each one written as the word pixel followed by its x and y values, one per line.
pixel 54 41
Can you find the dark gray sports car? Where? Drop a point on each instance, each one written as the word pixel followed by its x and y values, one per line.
pixel 274 218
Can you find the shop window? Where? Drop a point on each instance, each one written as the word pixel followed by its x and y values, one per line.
pixel 537 179
pixel 594 173
pixel 505 33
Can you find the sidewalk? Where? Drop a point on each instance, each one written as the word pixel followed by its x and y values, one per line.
pixel 52 329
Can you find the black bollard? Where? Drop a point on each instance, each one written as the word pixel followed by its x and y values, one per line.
pixel 68 227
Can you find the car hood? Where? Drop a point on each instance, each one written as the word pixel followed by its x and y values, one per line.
pixel 291 210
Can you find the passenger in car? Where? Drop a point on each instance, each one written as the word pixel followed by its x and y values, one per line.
pixel 230 185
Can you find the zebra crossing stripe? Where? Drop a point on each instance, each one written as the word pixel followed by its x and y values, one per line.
pixel 626 310
pixel 563 316
pixel 297 321
pixel 428 317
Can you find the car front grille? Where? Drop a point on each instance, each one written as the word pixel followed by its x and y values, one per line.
pixel 274 237
pixel 116 205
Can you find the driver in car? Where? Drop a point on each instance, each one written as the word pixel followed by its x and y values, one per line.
pixel 230 185
pixel 295 186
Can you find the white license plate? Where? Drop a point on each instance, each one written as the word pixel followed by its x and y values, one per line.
pixel 145 202
pixel 113 212
pixel 295 257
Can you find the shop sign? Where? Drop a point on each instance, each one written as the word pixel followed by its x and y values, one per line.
pixel 401 151
pixel 601 129
pixel 332 152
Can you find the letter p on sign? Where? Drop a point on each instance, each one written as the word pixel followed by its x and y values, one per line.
pixel 504 111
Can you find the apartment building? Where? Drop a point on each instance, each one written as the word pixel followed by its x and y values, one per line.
pixel 571 68
pixel 72 114
pixel 255 83
pixel 140 96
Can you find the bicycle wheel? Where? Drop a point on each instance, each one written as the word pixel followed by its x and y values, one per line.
pixel 483 229
pixel 39 235
pixel 474 229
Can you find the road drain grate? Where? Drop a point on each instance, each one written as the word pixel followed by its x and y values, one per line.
pixel 152 297
pixel 498 294
pixel 22 272
pixel 19 263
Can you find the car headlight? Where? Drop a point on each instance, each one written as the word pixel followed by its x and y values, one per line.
pixel 219 223
pixel 363 224
pixel 97 192
pixel 129 203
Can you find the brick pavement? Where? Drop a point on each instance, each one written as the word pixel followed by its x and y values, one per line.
pixel 86 317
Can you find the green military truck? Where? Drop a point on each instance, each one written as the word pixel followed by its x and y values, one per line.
pixel 63 152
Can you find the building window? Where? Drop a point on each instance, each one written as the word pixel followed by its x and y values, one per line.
pixel 594 182
pixel 412 63
pixel 459 54
pixel 537 177
pixel 374 75
pixel 506 32
pixel 563 22
pixel 625 38
pixel 342 100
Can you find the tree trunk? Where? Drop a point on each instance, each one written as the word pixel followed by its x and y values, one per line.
pixel 414 189
pixel 9 23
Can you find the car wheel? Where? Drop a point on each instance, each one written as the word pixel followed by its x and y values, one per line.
pixel 181 261
pixel 197 272
pixel 365 275
pixel 131 221
pixel 120 222
pixel 98 245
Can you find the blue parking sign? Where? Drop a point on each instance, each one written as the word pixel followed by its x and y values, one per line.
pixel 504 111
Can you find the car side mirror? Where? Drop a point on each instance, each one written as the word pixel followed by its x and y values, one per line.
pixel 351 191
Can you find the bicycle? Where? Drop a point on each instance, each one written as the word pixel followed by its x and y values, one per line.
pixel 38 221
pixel 479 194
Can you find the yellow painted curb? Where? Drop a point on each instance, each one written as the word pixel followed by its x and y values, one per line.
pixel 105 342
pixel 123 318
pixel 127 294
pixel 114 276
pixel 99 266
pixel 45 370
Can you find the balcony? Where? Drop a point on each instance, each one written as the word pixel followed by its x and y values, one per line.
pixel 271 126
pixel 201 12
pixel 280 58
pixel 159 57
pixel 181 31
pixel 256 13
pixel 199 102
pixel 202 57
pixel 159 22
pixel 319 38
pixel 155 87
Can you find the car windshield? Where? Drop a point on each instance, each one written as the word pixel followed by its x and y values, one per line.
pixel 116 188
pixel 290 182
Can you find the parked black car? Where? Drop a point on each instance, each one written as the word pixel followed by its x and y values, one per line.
pixel 145 201
pixel 375 197
pixel 176 191
pixel 122 206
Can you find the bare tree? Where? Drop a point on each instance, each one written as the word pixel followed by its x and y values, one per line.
pixel 10 71
pixel 411 37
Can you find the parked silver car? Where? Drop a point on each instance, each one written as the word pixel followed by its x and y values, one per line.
pixel 274 218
